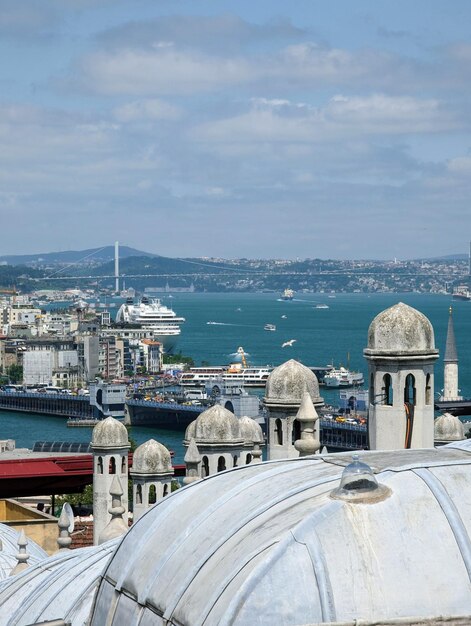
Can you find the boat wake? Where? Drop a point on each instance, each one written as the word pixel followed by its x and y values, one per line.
pixel 221 324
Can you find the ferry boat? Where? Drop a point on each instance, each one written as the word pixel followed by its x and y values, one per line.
pixel 236 372
pixel 150 314
pixel 288 294
pixel 342 377
pixel 270 327
pixel 321 306
pixel 461 293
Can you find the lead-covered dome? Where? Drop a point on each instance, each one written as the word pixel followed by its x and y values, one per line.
pixel 400 329
pixel 288 382
pixel 110 433
pixel 214 425
pixel 264 544
pixel 151 458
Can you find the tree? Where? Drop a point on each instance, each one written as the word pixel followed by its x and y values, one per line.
pixel 15 373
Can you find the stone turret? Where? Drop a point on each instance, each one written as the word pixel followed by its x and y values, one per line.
pixel 284 391
pixel 401 355
pixel 223 440
pixel 152 474
pixel 110 445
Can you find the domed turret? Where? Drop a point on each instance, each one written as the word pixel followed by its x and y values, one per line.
pixel 151 458
pixel 400 329
pixel 250 430
pixel 110 433
pixel 288 382
pixel 448 428
pixel 216 424
pixel 401 355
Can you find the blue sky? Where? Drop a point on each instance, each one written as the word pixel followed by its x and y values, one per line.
pixel 328 128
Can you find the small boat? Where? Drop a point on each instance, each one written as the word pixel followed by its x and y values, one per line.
pixel 284 317
pixel 212 323
pixel 321 306
pixel 288 294
pixel 461 293
pixel 271 327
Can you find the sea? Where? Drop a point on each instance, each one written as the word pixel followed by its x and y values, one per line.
pixel 336 334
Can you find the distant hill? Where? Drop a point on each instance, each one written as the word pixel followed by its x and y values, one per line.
pixel 447 257
pixel 81 257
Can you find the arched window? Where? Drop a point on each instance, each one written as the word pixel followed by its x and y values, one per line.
pixel 248 459
pixel 221 464
pixel 428 389
pixel 229 406
pixel 123 465
pixel 152 495
pixel 235 462
pixel 205 467
pixel 278 432
pixel 296 431
pixel 139 494
pixel 165 489
pixel 99 465
pixel 112 466
pixel 372 389
pixel 409 389
pixel 387 390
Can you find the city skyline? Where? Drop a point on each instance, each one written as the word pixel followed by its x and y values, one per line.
pixel 320 130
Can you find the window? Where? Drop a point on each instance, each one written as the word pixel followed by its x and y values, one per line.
pixel 235 462
pixel 428 389
pixel 123 465
pixel 205 467
pixel 138 494
pixel 165 490
pixel 296 431
pixel 221 464
pixel 248 459
pixel 278 432
pixel 152 495
pixel 100 465
pixel 112 466
pixel 387 390
pixel 409 390
pixel 372 389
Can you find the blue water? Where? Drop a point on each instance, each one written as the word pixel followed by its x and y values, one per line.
pixel 337 335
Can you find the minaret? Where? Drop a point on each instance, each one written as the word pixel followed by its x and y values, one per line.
pixel 450 374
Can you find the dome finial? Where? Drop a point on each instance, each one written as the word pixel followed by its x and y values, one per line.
pixel 307 416
pixel 116 526
pixel 22 556
pixel 64 540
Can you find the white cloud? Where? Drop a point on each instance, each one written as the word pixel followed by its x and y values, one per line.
pixel 146 110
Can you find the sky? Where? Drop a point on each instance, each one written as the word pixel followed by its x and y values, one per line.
pixel 260 129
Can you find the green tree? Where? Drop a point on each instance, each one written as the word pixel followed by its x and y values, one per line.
pixel 15 373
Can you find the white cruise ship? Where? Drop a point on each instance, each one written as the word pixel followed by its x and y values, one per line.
pixel 152 315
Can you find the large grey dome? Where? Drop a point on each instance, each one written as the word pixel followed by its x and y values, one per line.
pixel 265 544
pixel 447 428
pixel 288 382
pixel 110 433
pixel 400 329
pixel 213 425
pixel 151 458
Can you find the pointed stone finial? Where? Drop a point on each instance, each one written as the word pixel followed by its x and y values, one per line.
pixel 307 417
pixel 117 526
pixel 256 453
pixel 22 556
pixel 324 450
pixel 192 462
pixel 64 540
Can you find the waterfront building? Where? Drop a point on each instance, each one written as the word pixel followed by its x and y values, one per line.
pixel 284 392
pixel 401 355
pixel 48 361
pixel 151 474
